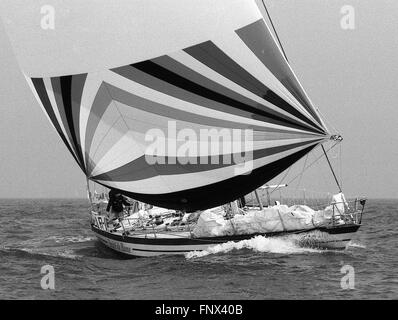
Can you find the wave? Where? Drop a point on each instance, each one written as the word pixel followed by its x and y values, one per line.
pixel 282 245
pixel 52 241
pixel 38 253
pixel 71 239
pixel 51 246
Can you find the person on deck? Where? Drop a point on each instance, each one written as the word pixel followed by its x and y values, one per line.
pixel 116 202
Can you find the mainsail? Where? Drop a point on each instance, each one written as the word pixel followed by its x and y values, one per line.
pixel 111 74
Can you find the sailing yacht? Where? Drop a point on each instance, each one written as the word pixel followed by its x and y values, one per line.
pixel 136 90
pixel 145 230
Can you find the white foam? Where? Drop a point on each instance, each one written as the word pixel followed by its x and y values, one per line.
pixel 356 245
pixel 72 239
pixel 283 245
pixel 69 254
pixel 44 252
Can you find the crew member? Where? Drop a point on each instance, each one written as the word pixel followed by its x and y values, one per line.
pixel 115 203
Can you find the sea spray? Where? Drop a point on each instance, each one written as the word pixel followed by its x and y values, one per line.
pixel 72 239
pixel 283 245
pixel 353 244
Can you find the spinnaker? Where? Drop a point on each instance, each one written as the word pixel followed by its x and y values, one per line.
pixel 109 73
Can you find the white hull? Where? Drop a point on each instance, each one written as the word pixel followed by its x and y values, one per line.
pixel 148 250
pixel 175 244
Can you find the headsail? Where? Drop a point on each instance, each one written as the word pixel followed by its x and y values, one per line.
pixel 113 76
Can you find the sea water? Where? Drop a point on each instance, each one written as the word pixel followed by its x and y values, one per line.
pixel 56 233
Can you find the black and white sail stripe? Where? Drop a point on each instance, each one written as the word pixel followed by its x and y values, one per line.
pixel 238 81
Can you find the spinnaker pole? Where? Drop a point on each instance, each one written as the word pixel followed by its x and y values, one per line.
pixel 331 168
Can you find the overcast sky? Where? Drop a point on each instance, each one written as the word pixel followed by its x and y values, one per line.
pixel 350 75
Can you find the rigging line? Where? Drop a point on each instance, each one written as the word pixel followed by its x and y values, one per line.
pixel 322 174
pixel 273 27
pixel 302 171
pixel 312 163
pixel 128 128
pixel 341 164
pixel 105 135
pixel 284 54
pixel 328 122
pixel 331 168
pixel 280 182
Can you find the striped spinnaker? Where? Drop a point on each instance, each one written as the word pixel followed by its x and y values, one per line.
pixel 231 77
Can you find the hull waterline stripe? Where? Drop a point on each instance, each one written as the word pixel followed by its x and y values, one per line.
pixel 214 240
